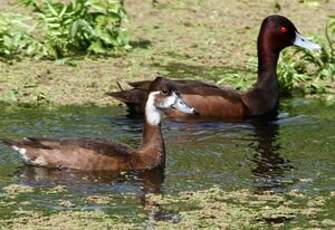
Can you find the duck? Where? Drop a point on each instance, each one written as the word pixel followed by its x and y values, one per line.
pixel 224 103
pixel 102 154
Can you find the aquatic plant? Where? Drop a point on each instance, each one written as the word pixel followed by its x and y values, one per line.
pixel 65 29
pixel 213 208
pixel 16 39
pixel 310 71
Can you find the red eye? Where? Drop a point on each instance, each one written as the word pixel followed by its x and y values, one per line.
pixel 283 29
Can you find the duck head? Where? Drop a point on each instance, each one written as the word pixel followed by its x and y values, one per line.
pixel 278 32
pixel 163 95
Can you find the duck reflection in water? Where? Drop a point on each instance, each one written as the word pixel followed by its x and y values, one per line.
pixel 91 183
pixel 270 166
pixel 149 181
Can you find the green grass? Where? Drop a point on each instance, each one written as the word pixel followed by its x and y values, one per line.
pixel 65 29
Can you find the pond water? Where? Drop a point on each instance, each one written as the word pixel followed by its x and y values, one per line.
pixel 295 151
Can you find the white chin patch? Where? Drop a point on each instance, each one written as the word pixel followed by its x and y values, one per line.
pixel 153 115
pixel 169 101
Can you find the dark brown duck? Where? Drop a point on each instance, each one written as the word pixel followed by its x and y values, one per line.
pixel 219 103
pixel 101 154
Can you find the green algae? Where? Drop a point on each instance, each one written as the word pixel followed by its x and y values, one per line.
pixel 218 209
pixel 56 189
pixel 15 189
pixel 98 199
pixel 67 220
pixel 213 208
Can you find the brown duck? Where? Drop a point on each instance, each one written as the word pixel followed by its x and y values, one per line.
pixel 219 103
pixel 101 154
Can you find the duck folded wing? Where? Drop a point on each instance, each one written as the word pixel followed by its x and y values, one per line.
pixel 186 87
pixel 28 141
pixel 100 146
pixel 82 154
pixel 105 147
pixel 209 100
pixel 204 89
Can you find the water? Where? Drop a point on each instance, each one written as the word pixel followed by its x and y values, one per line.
pixel 295 151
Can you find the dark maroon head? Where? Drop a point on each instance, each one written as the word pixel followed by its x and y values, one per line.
pixel 278 32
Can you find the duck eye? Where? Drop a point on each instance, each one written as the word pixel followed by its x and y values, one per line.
pixel 283 29
pixel 165 91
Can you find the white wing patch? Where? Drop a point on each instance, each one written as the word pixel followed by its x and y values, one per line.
pixel 152 114
pixel 23 152
pixel 169 101
pixel 39 161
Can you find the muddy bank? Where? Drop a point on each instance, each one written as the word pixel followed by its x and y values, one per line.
pixel 193 39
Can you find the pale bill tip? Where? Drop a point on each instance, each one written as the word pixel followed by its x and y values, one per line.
pixel 304 43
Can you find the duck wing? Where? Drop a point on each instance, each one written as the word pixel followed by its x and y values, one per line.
pixel 188 87
pixel 135 97
pixel 206 89
pixel 102 146
pixel 32 145
pixel 83 154
pixel 99 145
pixel 28 141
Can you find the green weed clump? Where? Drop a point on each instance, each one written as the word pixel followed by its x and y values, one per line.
pixel 16 39
pixel 65 29
pixel 311 72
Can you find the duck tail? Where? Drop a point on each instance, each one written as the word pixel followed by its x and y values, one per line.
pixel 8 142
pixel 133 98
pixel 18 147
pixel 119 85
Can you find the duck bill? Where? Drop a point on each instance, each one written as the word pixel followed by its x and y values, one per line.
pixel 181 106
pixel 304 43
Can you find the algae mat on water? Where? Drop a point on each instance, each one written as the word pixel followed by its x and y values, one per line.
pixel 208 209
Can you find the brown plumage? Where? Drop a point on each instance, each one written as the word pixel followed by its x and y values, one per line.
pixel 223 103
pixel 102 154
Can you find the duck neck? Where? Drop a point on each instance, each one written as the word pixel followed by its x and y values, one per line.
pixel 267 66
pixel 263 98
pixel 152 149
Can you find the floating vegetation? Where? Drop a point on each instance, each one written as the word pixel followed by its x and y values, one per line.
pixel 15 189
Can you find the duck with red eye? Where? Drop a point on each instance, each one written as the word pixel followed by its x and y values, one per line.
pixel 223 103
pixel 101 154
pixel 282 33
